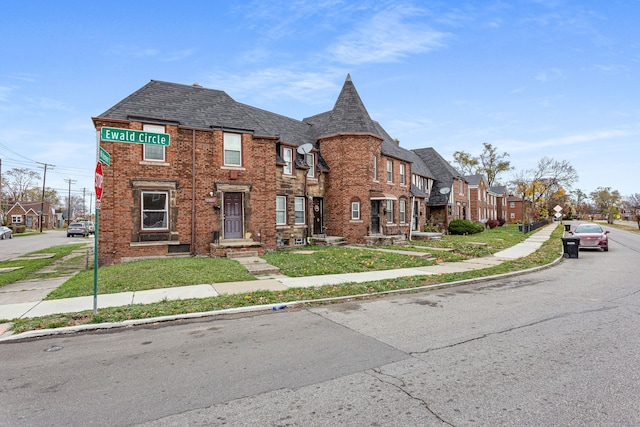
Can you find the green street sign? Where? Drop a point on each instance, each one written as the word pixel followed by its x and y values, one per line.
pixel 134 136
pixel 105 157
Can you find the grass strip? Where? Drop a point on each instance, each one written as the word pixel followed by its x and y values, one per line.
pixel 548 253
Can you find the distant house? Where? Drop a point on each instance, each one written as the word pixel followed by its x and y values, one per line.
pixel 500 194
pixel 28 214
pixel 515 209
pixel 480 201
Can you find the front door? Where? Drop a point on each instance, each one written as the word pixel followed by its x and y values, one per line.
pixel 375 217
pixel 318 216
pixel 233 216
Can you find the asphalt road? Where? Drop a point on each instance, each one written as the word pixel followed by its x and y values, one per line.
pixel 556 347
pixel 20 245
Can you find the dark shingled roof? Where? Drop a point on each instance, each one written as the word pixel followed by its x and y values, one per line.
pixel 443 173
pixel 198 107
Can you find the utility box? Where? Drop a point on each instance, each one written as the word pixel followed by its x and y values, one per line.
pixel 567 227
pixel 570 246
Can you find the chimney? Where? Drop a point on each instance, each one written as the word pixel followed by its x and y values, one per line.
pixel 397 141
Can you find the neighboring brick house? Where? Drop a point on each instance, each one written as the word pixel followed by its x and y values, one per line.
pixel 480 204
pixel 500 193
pixel 236 177
pixel 515 209
pixel 28 214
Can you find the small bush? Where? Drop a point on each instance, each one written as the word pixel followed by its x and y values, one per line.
pixel 501 221
pixel 463 226
pixel 19 229
pixel 493 223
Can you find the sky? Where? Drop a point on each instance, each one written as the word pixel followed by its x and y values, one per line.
pixel 533 78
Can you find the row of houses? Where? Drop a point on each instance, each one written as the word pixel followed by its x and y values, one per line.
pixel 224 176
pixel 31 214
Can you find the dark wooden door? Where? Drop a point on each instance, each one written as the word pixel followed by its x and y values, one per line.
pixel 318 214
pixel 375 216
pixel 233 216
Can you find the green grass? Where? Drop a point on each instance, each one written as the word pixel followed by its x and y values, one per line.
pixel 336 260
pixel 549 252
pixel 153 274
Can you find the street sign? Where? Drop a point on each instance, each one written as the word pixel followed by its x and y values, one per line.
pixel 558 208
pixel 105 157
pixel 557 214
pixel 98 184
pixel 134 136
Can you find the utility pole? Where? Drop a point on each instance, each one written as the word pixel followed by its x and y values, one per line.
pixel 70 181
pixel 44 180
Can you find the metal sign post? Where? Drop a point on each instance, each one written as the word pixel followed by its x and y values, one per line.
pixel 98 188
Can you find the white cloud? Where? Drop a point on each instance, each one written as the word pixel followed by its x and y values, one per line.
pixel 568 140
pixel 386 37
pixel 550 74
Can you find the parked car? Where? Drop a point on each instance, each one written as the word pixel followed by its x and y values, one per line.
pixel 592 236
pixel 90 227
pixel 77 229
pixel 5 232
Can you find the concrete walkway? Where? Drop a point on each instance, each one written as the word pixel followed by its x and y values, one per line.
pixel 25 300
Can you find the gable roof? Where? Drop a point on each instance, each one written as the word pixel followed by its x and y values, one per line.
pixel 474 180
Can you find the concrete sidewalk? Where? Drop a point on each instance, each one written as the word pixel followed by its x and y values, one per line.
pixel 18 301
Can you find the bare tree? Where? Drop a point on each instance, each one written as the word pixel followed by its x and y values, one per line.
pixel 634 204
pixel 547 179
pixel 489 163
pixel 17 181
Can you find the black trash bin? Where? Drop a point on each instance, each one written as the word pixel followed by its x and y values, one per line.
pixel 570 246
pixel 567 227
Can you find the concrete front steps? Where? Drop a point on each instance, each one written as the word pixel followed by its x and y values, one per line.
pixel 253 263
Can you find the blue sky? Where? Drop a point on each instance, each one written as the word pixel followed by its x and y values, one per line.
pixel 534 78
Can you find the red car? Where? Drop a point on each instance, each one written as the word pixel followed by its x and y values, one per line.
pixel 592 236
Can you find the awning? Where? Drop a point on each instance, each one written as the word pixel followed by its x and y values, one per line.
pixel 377 195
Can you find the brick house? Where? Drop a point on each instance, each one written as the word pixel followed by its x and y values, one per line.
pixel 480 203
pixel 28 214
pixel 449 194
pixel 235 177
pixel 515 209
pixel 500 194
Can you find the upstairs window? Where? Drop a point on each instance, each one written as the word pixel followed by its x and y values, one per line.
pixel 287 156
pixel 154 153
pixel 389 171
pixel 375 168
pixel 232 149
pixel 402 173
pixel 155 210
pixel 311 162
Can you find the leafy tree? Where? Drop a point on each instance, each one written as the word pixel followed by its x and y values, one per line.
pixel 34 194
pixel 606 202
pixel 579 201
pixel 489 163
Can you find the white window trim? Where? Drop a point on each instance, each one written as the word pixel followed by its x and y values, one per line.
pixel 402 211
pixel 389 212
pixel 297 208
pixel 224 148
pixel 403 170
pixel 156 148
pixel 389 171
pixel 355 211
pixel 165 210
pixel 375 168
pixel 288 167
pixel 16 219
pixel 311 162
pixel 284 211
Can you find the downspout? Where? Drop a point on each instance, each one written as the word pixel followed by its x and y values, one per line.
pixel 413 203
pixel 193 192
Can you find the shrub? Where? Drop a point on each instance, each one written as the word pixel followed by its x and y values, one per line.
pixel 463 226
pixel 493 223
pixel 19 229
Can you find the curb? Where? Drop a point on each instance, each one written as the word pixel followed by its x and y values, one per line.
pixel 257 308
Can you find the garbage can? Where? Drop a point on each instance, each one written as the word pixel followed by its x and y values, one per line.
pixel 570 246
pixel 567 227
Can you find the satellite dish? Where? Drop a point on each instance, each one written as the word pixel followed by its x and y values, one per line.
pixel 445 190
pixel 305 148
